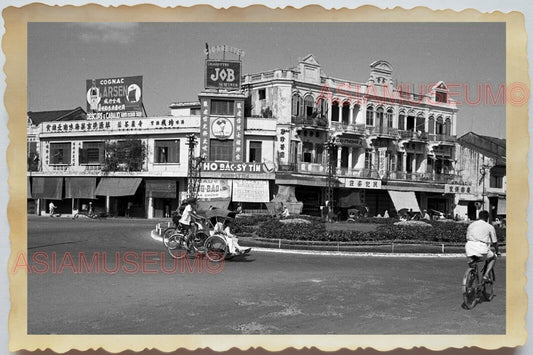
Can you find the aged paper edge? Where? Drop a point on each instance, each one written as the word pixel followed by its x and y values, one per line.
pixel 15 49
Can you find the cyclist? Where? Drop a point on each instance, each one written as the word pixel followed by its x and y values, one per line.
pixel 189 215
pixel 479 236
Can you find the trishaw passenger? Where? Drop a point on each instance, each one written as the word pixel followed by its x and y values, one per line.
pixel 233 243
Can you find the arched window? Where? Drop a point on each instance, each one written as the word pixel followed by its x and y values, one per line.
pixel 370 115
pixel 439 126
pixel 420 123
pixel 297 105
pixel 448 126
pixel 309 104
pixel 322 107
pixel 346 112
pixel 379 117
pixel 389 117
pixel 335 111
pixel 401 121
pixel 431 125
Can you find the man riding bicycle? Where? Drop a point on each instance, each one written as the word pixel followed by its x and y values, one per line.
pixel 188 217
pixel 480 235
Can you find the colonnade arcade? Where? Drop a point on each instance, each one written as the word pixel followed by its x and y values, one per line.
pixel 342 111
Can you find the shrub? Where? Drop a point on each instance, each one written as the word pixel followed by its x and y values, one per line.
pixel 274 229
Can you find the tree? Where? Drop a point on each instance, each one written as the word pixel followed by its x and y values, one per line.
pixel 126 155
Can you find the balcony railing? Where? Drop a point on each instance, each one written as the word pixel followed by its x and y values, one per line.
pixel 349 127
pixel 412 135
pixel 424 177
pixel 310 121
pixel 382 131
pixel 287 167
pixel 442 138
pixel 321 169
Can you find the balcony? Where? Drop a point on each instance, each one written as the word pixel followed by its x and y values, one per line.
pixel 444 138
pixel 315 122
pixel 351 128
pixel 382 132
pixel 424 177
pixel 413 136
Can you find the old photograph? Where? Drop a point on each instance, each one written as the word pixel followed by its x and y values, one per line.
pixel 333 180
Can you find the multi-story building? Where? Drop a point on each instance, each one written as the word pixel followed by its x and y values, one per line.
pixel 481 160
pixel 389 148
pixel 393 148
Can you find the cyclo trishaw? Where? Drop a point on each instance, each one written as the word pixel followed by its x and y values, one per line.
pixel 203 239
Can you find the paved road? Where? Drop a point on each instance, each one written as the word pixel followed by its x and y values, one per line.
pixel 265 293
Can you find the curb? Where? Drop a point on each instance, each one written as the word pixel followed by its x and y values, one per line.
pixel 154 234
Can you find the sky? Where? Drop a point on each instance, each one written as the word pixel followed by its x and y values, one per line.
pixel 170 57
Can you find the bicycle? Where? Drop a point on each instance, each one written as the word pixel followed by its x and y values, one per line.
pixel 473 289
pixel 200 242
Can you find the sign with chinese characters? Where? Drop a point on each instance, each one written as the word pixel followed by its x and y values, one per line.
pixel 238 144
pixel 112 125
pixel 250 191
pixel 362 183
pixel 283 144
pixel 204 128
pixel 458 189
pixel 214 188
pixel 223 74
pixel 119 97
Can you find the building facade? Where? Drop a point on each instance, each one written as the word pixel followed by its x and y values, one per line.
pixel 392 148
pixel 481 160
pixel 294 135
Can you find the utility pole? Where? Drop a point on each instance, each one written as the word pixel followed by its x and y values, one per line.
pixel 330 147
pixel 194 168
pixel 483 172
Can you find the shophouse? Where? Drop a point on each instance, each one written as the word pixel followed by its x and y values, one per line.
pixel 391 148
pixel 481 160
pixel 271 136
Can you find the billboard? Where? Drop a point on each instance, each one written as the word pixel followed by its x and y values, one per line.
pixel 251 191
pixel 119 97
pixel 223 74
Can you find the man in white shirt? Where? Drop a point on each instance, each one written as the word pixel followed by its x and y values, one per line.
pixel 480 235
pixel 187 218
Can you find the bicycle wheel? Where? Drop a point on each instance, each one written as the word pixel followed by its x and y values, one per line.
pixel 176 246
pixel 470 284
pixel 216 248
pixel 488 287
pixel 166 235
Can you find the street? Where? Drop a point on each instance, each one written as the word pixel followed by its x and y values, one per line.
pixel 108 276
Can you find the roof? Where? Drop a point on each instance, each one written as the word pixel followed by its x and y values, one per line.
pixel 59 115
pixel 491 147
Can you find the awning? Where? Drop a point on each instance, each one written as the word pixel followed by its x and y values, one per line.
pixel 404 199
pixel 118 186
pixel 29 187
pixel 80 187
pixel 161 188
pixel 50 188
pixel 502 208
